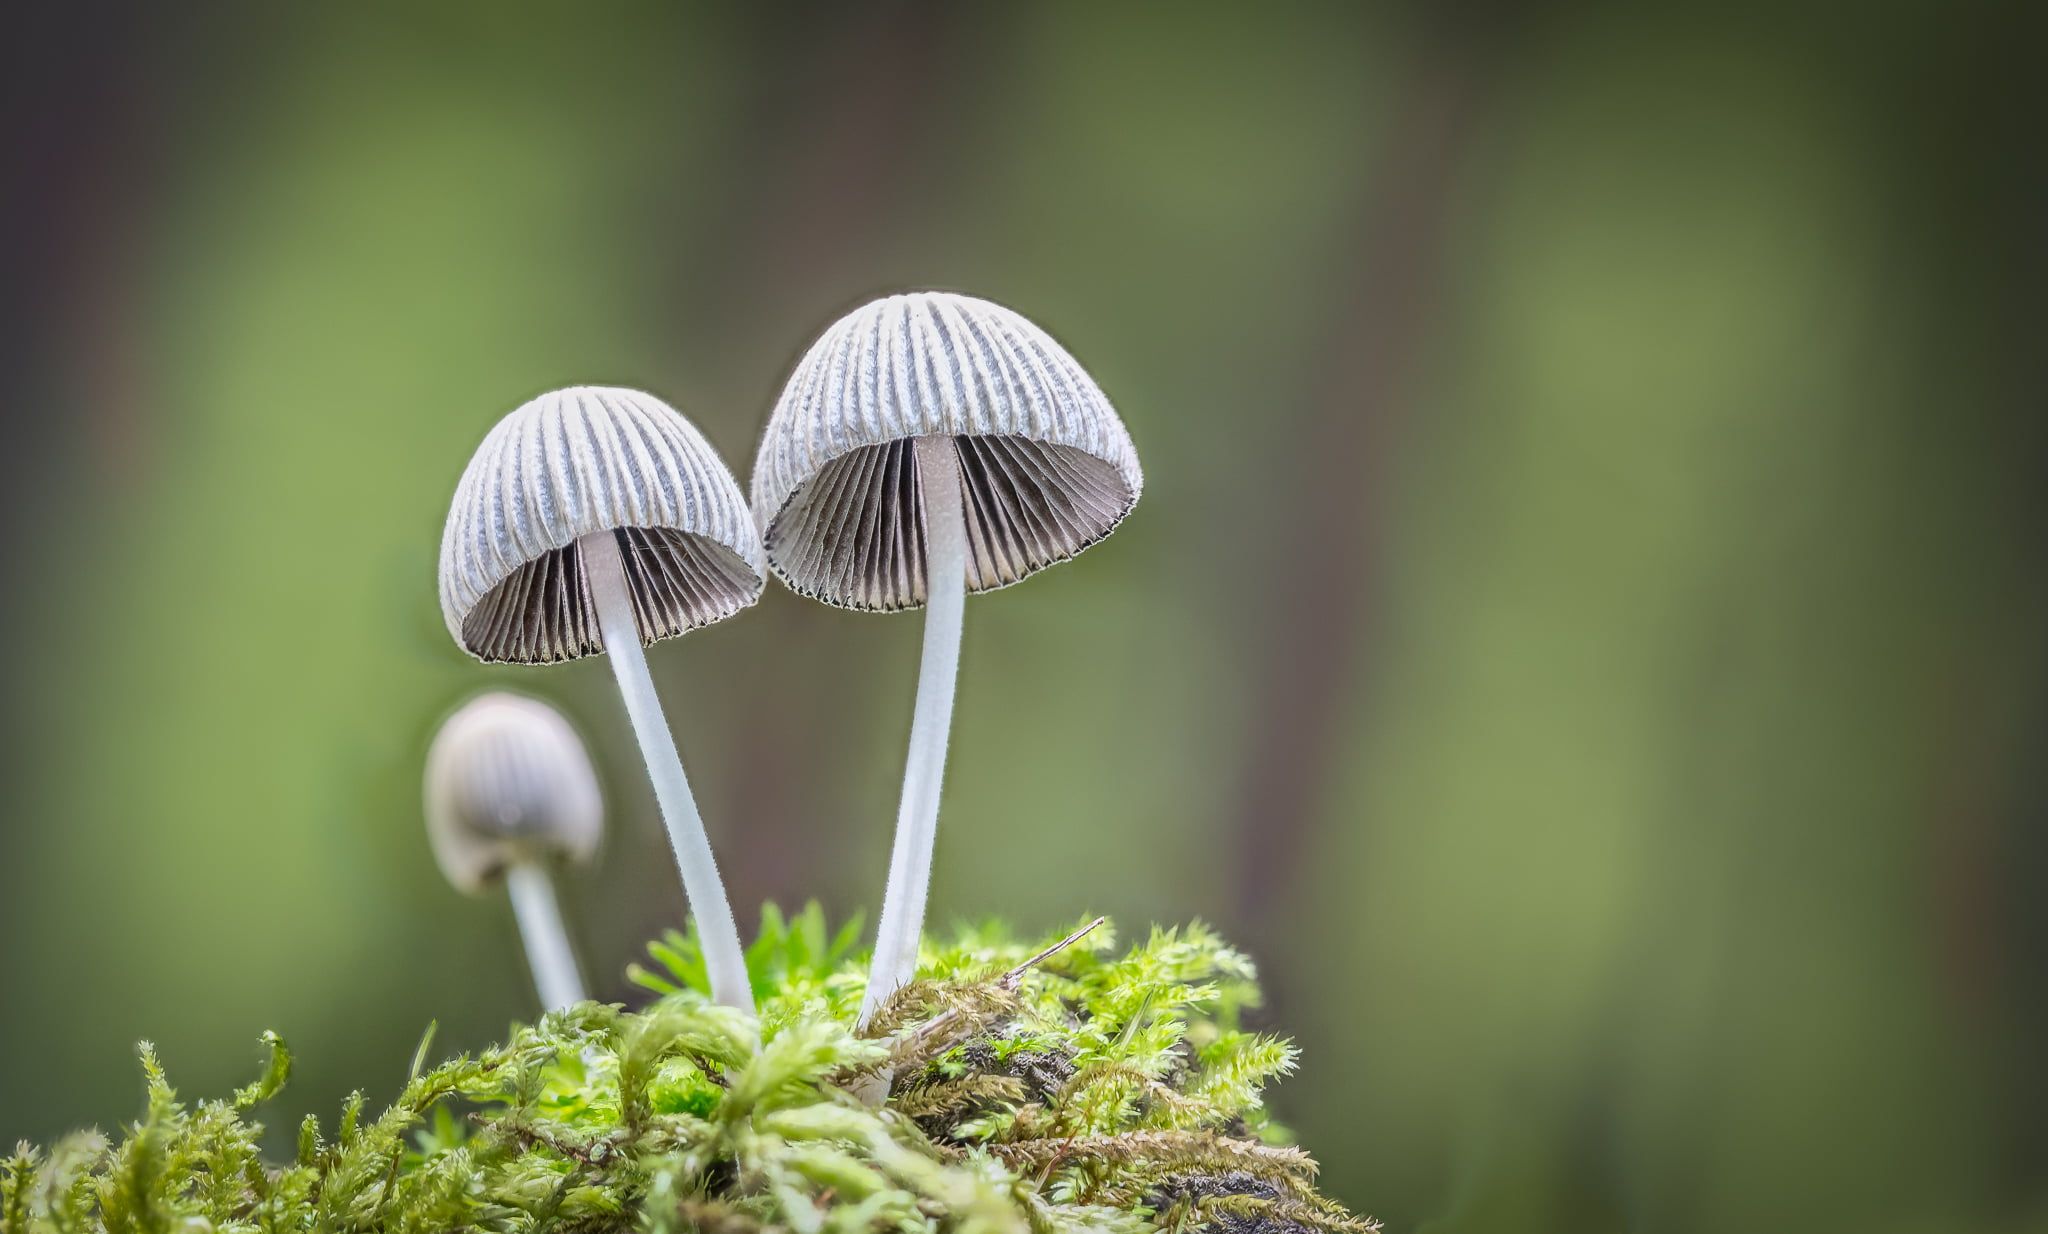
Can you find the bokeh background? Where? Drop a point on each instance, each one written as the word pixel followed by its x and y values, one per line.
pixel 1584 628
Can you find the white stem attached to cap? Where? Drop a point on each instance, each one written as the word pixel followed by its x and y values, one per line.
pixel 612 595
pixel 917 818
pixel 547 940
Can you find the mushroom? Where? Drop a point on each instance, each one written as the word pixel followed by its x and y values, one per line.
pixel 509 791
pixel 926 446
pixel 597 519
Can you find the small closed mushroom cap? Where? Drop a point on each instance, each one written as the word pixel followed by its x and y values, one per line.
pixel 581 460
pixel 509 781
pixel 1046 467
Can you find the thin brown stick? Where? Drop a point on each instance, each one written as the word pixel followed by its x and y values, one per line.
pixel 1015 977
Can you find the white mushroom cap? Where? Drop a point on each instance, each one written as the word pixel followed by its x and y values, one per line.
pixel 576 461
pixel 1046 466
pixel 509 781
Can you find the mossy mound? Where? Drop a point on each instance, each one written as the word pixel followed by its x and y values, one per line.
pixel 1027 1093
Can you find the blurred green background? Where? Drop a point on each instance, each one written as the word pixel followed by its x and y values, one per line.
pixel 1583 629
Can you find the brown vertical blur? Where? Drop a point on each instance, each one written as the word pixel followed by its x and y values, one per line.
pixel 1379 314
pixel 79 111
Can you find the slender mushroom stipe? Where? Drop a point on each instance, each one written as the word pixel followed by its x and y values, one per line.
pixel 605 572
pixel 928 446
pixel 901 928
pixel 510 791
pixel 555 975
pixel 597 520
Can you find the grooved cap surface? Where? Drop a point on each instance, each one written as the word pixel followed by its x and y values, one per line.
pixel 508 780
pixel 582 460
pixel 1045 465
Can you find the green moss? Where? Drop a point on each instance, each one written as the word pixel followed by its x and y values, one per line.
pixel 1080 1090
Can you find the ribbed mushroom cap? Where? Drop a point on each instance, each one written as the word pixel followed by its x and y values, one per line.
pixel 508 780
pixel 1046 466
pixel 585 459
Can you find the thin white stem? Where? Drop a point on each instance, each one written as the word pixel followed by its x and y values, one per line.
pixel 611 593
pixel 546 939
pixel 917 817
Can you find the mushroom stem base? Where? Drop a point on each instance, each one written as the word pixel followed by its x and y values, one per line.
pixel 547 941
pixel 901 929
pixel 604 571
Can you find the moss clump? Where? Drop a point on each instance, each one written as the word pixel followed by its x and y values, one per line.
pixel 1078 1091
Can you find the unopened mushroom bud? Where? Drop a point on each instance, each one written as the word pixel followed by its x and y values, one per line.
pixel 928 446
pixel 509 794
pixel 596 519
